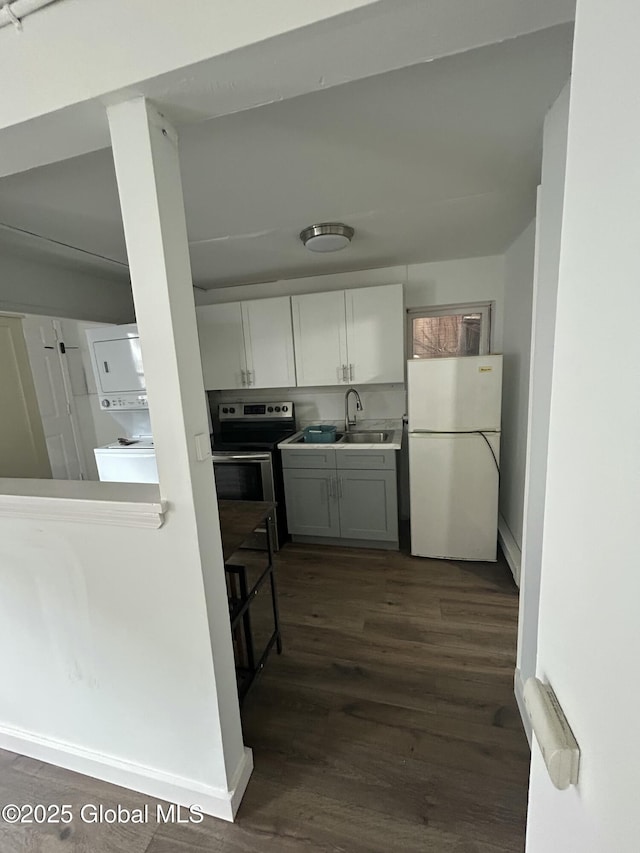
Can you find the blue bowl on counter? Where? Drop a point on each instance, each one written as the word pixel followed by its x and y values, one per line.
pixel 320 434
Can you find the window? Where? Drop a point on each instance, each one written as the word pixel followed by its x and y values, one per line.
pixel 449 330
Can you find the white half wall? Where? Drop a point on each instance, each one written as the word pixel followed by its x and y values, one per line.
pixel 110 672
pixel 31 283
pixel 519 263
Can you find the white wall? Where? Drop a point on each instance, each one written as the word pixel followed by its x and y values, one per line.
pixel 545 290
pixel 589 630
pixel 519 263
pixel 34 284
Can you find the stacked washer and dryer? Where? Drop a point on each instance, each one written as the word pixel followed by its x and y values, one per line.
pixel 246 460
pixel 116 359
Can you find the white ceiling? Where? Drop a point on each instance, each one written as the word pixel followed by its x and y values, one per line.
pixel 435 161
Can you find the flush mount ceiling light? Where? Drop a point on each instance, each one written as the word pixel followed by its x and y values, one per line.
pixel 327 237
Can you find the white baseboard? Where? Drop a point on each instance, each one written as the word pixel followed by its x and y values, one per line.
pixel 518 689
pixel 217 802
pixel 510 549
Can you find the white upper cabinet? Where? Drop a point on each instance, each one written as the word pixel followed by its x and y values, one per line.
pixel 247 344
pixel 222 349
pixel 320 335
pixel 375 334
pixel 268 339
pixel 352 336
pixel 338 338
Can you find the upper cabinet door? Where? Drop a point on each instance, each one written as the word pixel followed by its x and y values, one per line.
pixel 268 338
pixel 222 346
pixel 375 334
pixel 320 337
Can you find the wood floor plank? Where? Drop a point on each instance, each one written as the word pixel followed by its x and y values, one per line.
pixel 389 722
pixel 25 781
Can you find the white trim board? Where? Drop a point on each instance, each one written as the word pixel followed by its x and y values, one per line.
pixel 510 549
pixel 518 689
pixel 120 504
pixel 146 780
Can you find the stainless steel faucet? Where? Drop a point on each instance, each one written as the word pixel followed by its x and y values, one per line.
pixel 349 422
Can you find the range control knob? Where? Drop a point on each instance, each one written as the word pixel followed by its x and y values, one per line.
pixel 225 411
pixel 269 408
pixel 105 404
pixel 232 410
pixel 277 408
pixel 285 408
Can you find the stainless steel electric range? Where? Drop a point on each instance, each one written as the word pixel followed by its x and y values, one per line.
pixel 246 460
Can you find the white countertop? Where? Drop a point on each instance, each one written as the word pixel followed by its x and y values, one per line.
pixel 394 443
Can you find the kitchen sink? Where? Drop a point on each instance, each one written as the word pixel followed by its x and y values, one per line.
pixel 300 440
pixel 365 437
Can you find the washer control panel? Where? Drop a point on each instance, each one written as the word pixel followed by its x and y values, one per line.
pixel 129 402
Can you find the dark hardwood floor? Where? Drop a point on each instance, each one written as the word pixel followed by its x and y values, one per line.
pixel 388 724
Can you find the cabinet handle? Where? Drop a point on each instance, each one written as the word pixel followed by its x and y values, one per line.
pixel 339 487
pixel 252 380
pixel 344 373
pixel 350 373
pixel 330 488
pixel 244 378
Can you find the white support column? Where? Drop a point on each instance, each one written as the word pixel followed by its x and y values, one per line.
pixel 145 151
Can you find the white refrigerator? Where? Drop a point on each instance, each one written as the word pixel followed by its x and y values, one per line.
pixel 454 456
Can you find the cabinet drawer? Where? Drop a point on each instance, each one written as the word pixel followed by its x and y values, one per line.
pixel 319 458
pixel 372 460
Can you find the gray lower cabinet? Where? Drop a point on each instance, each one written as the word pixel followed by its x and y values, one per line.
pixel 328 500
pixel 368 505
pixel 312 509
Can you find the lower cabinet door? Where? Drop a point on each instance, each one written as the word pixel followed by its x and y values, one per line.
pixel 368 505
pixel 312 502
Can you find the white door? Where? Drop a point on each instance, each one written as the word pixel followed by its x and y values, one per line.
pixel 268 338
pixel 55 399
pixel 454 495
pixel 455 394
pixel 375 334
pixel 320 337
pixel 222 346
pixel 23 451
pixel 589 623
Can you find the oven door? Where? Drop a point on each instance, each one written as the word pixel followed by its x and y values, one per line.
pixel 247 476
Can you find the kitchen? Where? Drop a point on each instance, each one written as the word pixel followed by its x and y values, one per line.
pixel 461 277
